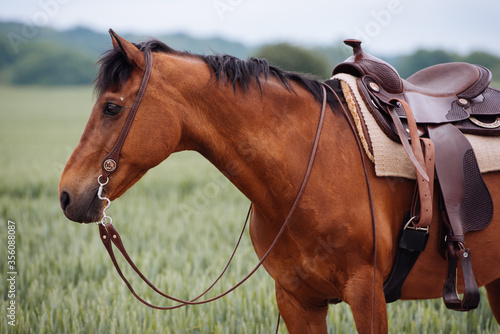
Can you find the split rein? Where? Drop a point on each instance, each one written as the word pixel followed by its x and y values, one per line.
pixel 109 235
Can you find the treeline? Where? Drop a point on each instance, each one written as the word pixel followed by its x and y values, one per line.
pixel 44 64
pixel 407 65
pixel 29 55
pixel 320 61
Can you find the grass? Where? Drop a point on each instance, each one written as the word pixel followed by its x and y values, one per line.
pixel 179 223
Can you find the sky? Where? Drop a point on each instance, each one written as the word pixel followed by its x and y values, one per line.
pixel 385 26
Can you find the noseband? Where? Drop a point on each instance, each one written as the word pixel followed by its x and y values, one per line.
pixel 109 235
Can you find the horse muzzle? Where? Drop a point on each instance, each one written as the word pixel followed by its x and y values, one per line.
pixel 82 208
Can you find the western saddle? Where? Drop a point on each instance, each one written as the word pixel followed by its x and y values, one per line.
pixel 428 113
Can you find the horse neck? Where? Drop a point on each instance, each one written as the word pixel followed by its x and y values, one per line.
pixel 260 139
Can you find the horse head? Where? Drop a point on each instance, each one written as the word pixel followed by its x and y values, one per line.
pixel 117 85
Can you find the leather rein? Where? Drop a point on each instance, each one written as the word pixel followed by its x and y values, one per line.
pixel 110 236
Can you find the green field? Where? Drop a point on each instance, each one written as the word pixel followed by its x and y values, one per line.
pixel 180 223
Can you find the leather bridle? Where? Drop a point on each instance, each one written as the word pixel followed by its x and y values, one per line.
pixel 110 162
pixel 109 235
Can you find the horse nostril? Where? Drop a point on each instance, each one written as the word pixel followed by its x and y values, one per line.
pixel 64 199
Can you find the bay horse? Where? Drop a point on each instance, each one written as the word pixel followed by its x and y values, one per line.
pixel 256 124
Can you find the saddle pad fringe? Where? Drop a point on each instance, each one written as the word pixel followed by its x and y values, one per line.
pixel 356 113
pixel 389 157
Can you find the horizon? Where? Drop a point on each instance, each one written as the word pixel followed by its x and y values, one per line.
pixel 137 37
pixel 385 26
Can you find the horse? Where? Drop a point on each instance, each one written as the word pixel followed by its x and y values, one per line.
pixel 256 123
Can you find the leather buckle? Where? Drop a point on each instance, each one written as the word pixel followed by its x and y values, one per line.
pixel 413 227
pixel 413 238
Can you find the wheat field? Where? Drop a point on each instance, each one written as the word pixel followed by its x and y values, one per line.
pixel 179 223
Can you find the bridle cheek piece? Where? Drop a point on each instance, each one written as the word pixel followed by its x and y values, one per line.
pixel 110 161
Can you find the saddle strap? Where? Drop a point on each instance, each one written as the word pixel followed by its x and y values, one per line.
pixel 426 189
pixel 471 297
pixel 424 166
pixel 412 242
pixel 412 150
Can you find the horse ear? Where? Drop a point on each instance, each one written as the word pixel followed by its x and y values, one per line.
pixel 133 55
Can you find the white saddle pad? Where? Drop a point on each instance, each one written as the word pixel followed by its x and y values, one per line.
pixel 389 157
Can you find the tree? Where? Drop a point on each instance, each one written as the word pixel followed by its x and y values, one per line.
pixel 407 65
pixel 488 60
pixel 296 59
pixel 48 64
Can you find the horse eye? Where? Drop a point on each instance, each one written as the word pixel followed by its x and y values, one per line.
pixel 111 109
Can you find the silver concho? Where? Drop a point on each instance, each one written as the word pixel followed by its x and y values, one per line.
pixel 109 165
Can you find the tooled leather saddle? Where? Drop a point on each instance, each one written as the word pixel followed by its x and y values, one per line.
pixel 428 113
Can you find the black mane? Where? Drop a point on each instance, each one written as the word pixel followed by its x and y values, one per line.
pixel 115 70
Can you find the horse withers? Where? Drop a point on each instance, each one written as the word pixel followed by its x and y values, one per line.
pixel 222 107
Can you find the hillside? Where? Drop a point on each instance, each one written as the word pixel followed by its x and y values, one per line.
pixel 84 40
pixel 45 56
pixel 33 55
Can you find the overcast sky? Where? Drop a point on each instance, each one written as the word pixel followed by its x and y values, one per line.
pixel 385 26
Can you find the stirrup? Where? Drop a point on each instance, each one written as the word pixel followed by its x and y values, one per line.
pixel 471 296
